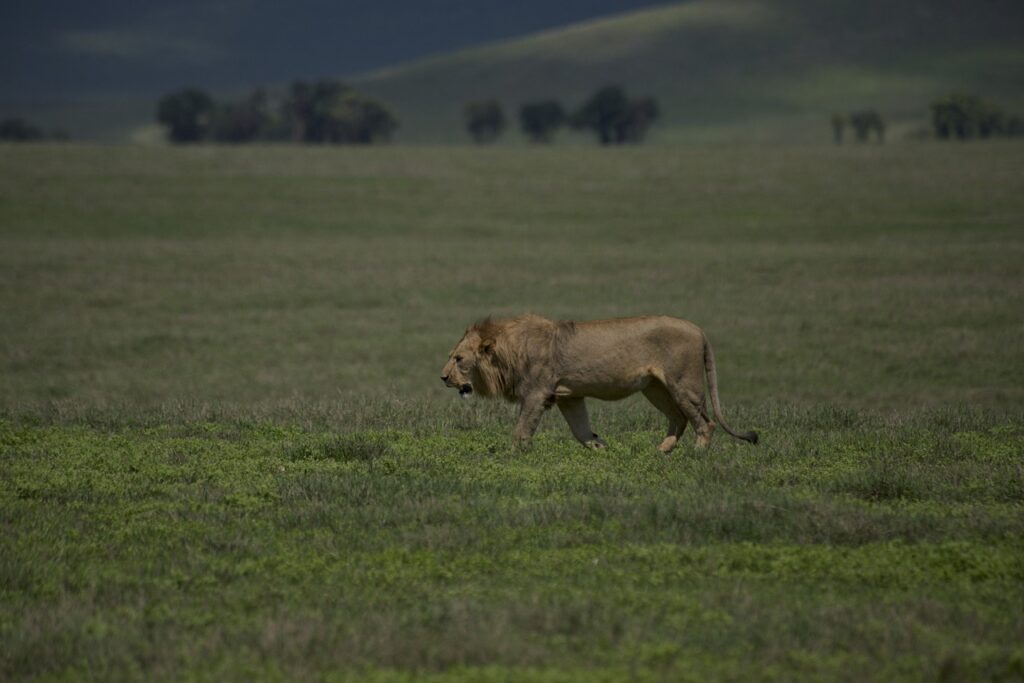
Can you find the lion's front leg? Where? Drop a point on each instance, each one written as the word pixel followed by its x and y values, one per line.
pixel 531 410
pixel 574 410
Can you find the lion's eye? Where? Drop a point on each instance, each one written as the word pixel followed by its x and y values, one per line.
pixel 458 359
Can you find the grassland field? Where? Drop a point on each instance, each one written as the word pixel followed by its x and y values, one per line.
pixel 225 453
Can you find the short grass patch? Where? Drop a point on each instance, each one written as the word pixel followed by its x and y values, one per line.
pixel 257 549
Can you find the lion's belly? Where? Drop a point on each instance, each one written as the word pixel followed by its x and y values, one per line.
pixel 603 388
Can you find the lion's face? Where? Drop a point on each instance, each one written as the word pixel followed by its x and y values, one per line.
pixel 460 372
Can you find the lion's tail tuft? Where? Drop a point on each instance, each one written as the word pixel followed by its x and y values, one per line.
pixel 709 368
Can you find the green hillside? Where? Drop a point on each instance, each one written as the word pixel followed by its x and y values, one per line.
pixel 723 70
pixel 761 70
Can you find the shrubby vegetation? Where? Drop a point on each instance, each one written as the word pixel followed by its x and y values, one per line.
pixel 541 120
pixel 609 113
pixel 18 129
pixel 186 115
pixel 614 117
pixel 331 112
pixel 957 116
pixel 864 123
pixel 485 120
pixel 964 117
pixel 246 120
pixel 315 113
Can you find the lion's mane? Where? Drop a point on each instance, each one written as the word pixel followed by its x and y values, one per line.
pixel 526 346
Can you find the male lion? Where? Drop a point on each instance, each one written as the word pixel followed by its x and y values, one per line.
pixel 538 363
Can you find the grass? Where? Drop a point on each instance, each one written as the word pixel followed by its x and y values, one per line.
pixel 228 550
pixel 225 453
pixel 867 277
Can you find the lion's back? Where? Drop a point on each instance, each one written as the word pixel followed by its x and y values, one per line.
pixel 623 352
pixel 659 330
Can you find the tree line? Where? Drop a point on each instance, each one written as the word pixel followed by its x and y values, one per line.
pixel 332 112
pixel 319 112
pixel 958 116
pixel 864 124
pixel 963 117
pixel 17 129
pixel 609 113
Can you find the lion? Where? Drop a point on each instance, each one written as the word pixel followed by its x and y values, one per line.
pixel 539 363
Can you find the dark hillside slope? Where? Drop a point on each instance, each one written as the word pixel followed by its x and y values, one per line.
pixel 734 69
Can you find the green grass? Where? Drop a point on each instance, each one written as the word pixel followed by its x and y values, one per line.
pixel 231 549
pixel 225 452
pixel 872 278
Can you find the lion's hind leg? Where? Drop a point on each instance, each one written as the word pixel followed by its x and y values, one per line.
pixel 658 395
pixel 692 407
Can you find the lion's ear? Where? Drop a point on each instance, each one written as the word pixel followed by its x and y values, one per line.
pixel 486 346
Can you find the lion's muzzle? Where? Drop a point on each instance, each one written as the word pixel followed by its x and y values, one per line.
pixel 465 389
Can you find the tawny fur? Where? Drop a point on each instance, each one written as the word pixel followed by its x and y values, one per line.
pixel 538 363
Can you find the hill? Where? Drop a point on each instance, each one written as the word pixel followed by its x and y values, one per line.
pixel 762 70
pixel 723 70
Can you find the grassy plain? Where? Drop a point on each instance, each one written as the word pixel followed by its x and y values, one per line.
pixel 225 452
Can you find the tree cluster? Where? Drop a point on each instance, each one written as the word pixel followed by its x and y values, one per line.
pixel 614 117
pixel 316 113
pixel 332 112
pixel 485 120
pixel 864 123
pixel 964 117
pixel 541 120
pixel 20 130
pixel 609 113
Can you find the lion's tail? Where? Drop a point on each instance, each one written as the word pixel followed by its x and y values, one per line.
pixel 709 367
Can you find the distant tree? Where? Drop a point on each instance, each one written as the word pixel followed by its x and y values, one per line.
pixel 296 109
pixel 320 112
pixel 964 116
pixel 186 115
pixel 331 112
pixel 243 121
pixel 540 120
pixel 865 122
pixel 308 109
pixel 641 113
pixel 991 121
pixel 614 117
pixel 357 119
pixel 484 119
pixel 19 130
pixel 838 127
pixel 324 99
pixel 605 113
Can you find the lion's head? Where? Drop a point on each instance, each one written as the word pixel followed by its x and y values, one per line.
pixel 463 369
pixel 491 357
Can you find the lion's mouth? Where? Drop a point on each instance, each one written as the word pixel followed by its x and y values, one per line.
pixel 465 390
